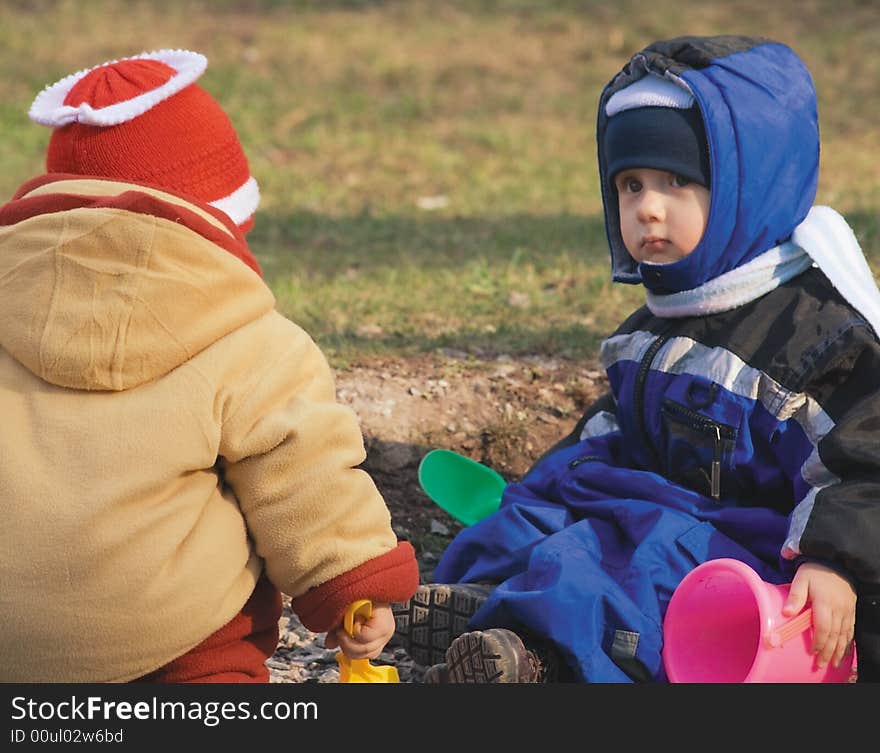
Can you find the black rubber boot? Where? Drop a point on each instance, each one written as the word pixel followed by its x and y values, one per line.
pixel 497 655
pixel 426 624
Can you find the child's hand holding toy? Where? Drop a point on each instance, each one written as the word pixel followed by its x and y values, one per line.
pixel 368 636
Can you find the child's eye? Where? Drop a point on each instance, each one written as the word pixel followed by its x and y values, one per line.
pixel 680 181
pixel 630 185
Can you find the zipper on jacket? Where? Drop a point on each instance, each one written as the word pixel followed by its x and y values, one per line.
pixel 639 394
pixel 719 433
pixel 572 464
pixel 716 466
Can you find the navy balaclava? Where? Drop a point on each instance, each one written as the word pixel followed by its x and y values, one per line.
pixel 760 137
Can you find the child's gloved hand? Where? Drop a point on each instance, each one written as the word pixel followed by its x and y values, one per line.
pixel 833 601
pixel 369 636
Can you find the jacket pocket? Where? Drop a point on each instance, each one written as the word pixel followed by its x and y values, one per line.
pixel 699 447
pixel 704 542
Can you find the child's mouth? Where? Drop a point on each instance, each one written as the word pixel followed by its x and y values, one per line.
pixel 652 243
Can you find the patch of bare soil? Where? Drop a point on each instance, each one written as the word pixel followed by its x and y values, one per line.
pixel 502 412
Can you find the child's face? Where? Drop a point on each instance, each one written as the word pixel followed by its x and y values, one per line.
pixel 662 215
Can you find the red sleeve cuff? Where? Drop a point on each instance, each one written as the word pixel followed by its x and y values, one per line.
pixel 393 576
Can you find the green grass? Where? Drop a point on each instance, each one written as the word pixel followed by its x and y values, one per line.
pixel 428 168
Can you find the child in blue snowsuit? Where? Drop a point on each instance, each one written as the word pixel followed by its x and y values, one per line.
pixel 743 418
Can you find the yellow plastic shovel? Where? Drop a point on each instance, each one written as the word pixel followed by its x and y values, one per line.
pixel 360 670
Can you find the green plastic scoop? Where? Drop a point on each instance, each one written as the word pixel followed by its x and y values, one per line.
pixel 466 489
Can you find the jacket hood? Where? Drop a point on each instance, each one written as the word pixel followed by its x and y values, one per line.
pixel 758 105
pixel 107 285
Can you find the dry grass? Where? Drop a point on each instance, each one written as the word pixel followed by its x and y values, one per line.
pixel 428 168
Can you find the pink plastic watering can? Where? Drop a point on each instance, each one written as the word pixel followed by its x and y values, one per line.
pixel 725 624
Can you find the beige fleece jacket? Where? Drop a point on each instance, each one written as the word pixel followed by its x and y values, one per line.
pixel 165 435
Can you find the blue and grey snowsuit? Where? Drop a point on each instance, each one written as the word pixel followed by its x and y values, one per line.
pixel 746 429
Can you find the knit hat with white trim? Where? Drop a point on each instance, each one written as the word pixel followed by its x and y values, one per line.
pixel 143 119
pixel 655 123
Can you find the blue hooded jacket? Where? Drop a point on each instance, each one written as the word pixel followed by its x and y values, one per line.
pixel 758 106
pixel 745 433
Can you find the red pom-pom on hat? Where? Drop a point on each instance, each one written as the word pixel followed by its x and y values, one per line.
pixel 144 119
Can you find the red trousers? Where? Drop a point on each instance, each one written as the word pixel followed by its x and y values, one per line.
pixel 236 652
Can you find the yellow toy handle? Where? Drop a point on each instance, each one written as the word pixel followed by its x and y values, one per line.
pixel 360 670
pixel 361 608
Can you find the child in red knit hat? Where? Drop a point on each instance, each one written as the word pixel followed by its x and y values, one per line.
pixel 174 454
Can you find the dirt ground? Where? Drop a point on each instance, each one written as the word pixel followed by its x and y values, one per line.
pixel 501 412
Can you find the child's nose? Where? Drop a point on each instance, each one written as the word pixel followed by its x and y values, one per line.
pixel 651 206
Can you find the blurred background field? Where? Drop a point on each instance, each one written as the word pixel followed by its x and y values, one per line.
pixel 428 168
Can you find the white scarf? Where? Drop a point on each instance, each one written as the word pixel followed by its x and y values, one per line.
pixel 824 238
